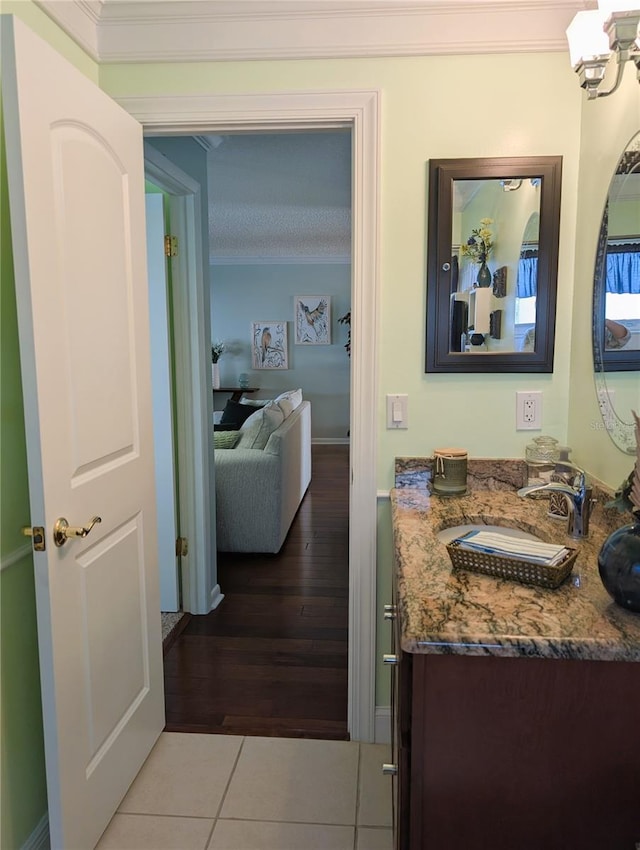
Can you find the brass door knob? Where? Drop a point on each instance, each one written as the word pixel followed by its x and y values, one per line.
pixel 62 531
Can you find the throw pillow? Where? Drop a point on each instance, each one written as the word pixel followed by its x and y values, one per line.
pixel 226 426
pixel 286 406
pixel 289 401
pixel 255 432
pixel 236 412
pixel 225 439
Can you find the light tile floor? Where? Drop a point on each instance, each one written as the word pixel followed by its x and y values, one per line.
pixel 224 792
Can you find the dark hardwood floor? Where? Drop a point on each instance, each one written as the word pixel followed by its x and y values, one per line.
pixel 272 658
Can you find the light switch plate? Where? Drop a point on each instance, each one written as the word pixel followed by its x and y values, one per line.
pixel 397 411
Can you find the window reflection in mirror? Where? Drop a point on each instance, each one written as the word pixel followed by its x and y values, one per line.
pixel 622 264
pixel 526 286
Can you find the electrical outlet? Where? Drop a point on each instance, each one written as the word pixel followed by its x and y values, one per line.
pixel 529 410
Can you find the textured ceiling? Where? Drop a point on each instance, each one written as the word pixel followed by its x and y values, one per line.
pixel 280 197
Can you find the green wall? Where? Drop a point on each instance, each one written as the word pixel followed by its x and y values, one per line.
pixel 23 798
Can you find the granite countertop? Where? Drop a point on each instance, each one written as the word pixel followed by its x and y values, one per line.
pixel 448 611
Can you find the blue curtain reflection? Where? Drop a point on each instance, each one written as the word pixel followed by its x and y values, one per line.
pixel 623 269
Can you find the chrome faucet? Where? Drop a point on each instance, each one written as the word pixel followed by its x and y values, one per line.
pixel 578 496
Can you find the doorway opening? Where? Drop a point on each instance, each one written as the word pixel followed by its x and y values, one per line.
pixel 359 111
pixel 279 226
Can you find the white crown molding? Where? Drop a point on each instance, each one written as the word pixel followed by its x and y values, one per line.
pixel 209 143
pixel 80 19
pixel 118 31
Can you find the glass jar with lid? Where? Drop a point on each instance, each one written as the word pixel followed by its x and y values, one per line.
pixel 541 456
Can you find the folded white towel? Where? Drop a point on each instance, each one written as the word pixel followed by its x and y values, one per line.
pixel 515 547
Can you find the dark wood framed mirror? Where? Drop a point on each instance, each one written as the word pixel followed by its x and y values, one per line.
pixel 492 265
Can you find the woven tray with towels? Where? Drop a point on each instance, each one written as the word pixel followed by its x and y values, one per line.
pixel 504 556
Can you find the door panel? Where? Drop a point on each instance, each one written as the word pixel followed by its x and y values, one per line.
pixel 102 566
pixel 76 187
pixel 95 280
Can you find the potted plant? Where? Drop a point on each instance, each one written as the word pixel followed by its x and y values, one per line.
pixel 346 320
pixel 217 350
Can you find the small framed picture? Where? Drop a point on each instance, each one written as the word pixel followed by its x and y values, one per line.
pixel 269 345
pixel 312 316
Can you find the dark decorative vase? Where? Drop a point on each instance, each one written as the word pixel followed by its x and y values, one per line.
pixel 484 276
pixel 619 566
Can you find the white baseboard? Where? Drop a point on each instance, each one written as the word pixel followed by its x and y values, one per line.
pixel 383 724
pixel 215 598
pixel 39 838
pixel 330 441
pixel 12 558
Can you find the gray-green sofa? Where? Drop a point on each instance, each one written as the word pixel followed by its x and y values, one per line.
pixel 258 491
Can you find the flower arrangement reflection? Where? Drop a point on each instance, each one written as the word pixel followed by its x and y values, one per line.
pixel 480 244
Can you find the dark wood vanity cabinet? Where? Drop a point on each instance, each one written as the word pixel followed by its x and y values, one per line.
pixel 502 753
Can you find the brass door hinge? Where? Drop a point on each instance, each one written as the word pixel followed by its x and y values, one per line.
pixel 37 535
pixel 171 246
pixel 182 547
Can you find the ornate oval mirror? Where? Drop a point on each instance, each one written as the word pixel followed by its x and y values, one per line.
pixel 616 302
pixel 492 264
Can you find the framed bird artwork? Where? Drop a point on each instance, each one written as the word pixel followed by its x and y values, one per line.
pixel 312 318
pixel 269 345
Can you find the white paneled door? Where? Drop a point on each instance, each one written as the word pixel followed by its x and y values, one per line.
pixel 77 213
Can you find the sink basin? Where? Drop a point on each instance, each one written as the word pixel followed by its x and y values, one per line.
pixel 446 535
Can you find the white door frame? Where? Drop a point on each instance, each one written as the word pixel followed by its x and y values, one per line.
pixel 161 391
pixel 194 400
pixel 360 111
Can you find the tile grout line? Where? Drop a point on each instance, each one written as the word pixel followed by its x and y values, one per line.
pixel 249 820
pixel 224 794
pixel 233 770
pixel 294 822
